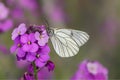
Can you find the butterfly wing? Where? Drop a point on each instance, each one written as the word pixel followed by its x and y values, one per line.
pixel 66 42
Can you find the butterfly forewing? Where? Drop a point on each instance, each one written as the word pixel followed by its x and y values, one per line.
pixel 66 42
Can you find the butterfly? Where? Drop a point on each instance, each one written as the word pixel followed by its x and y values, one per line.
pixel 66 42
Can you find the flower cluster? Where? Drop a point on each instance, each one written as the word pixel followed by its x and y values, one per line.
pixel 31 45
pixel 91 70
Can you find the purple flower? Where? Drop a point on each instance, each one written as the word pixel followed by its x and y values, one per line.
pixel 91 71
pixel 50 65
pixel 19 31
pixel 6 25
pixel 17 44
pixel 41 37
pixel 29 43
pixel 20 53
pixel 41 60
pixel 4 11
pixel 42 56
pixel 31 57
pixel 28 76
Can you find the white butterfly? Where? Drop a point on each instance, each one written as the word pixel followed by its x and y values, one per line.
pixel 66 42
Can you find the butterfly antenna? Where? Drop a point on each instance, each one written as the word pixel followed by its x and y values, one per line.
pixel 45 21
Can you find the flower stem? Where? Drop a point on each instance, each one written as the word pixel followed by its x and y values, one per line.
pixel 35 71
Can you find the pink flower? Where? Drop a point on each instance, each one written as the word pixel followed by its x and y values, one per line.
pixel 17 44
pixel 6 25
pixel 41 57
pixel 42 38
pixel 29 43
pixel 19 31
pixel 4 11
pixel 50 65
pixel 91 70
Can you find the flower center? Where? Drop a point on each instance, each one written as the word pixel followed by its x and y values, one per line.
pixel 28 42
pixel 40 36
pixel 92 68
pixel 19 45
pixel 19 33
pixel 38 55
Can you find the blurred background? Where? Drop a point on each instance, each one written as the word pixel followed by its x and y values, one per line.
pixel 99 18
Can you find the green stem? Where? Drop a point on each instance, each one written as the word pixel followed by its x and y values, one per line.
pixel 35 71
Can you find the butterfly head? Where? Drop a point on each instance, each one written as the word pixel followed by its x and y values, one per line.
pixel 50 32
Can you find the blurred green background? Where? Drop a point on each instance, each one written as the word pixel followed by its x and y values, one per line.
pixel 99 18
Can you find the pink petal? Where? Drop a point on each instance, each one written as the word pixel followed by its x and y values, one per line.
pixel 37 34
pixel 20 53
pixel 39 64
pixel 24 38
pixel 26 48
pixel 14 33
pixel 14 36
pixel 44 58
pixel 45 50
pixel 13 48
pixel 34 47
pixel 30 57
pixel 22 28
pixel 31 37
pixel 42 42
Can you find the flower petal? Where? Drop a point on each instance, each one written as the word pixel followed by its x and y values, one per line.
pixel 22 28
pixel 45 50
pixel 24 38
pixel 39 63
pixel 50 65
pixel 26 48
pixel 42 42
pixel 14 34
pixel 44 58
pixel 33 47
pixel 37 34
pixel 17 40
pixel 20 53
pixel 13 48
pixel 31 37
pixel 30 57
